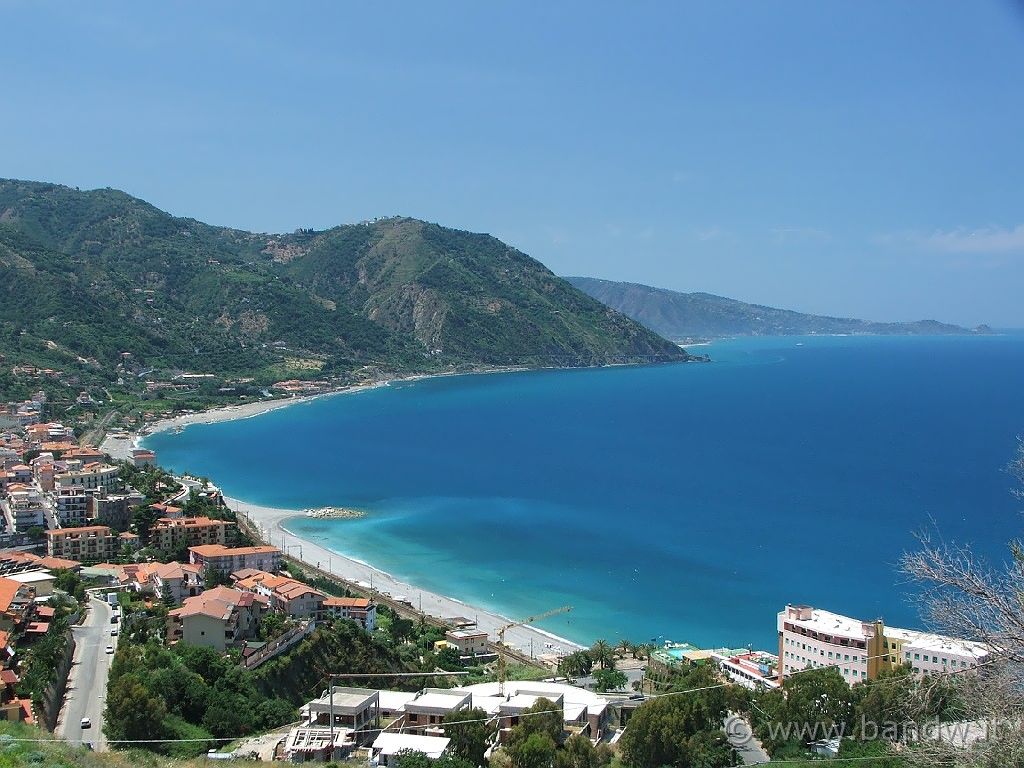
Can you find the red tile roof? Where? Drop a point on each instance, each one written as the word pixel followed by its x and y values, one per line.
pixel 8 591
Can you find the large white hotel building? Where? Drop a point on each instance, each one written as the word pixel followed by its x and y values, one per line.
pixel 860 650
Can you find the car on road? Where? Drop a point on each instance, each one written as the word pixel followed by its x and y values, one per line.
pixel 110 649
pixel 113 632
pixel 86 722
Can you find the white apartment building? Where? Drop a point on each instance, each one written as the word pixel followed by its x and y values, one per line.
pixel 23 508
pixel 810 638
pixel 70 505
pixel 928 653
pixel 90 477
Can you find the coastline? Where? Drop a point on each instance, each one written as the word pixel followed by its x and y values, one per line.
pixel 271 521
pixel 121 447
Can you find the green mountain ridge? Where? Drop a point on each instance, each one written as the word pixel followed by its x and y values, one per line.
pixel 682 316
pixel 88 275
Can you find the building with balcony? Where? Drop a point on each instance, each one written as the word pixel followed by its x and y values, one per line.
pixel 359 609
pixel 89 476
pixel 218 618
pixel 23 508
pixel 810 638
pixel 89 544
pixel 286 595
pixel 70 505
pixel 227 560
pixel 171 534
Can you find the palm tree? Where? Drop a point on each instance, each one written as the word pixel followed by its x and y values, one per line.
pixel 624 647
pixel 577 664
pixel 602 654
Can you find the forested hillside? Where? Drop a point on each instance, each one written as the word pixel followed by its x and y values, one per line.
pixel 87 276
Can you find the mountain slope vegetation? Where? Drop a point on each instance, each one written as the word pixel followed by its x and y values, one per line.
pixel 88 275
pixel 680 316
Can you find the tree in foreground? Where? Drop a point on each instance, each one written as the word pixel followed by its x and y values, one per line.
pixel 576 664
pixel 966 597
pixel 468 730
pixel 682 729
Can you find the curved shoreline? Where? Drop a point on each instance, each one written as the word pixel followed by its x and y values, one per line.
pixel 271 521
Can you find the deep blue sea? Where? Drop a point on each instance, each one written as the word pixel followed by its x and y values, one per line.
pixel 689 502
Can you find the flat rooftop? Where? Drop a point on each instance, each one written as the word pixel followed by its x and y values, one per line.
pixel 828 623
pixel 937 643
pixel 348 698
pixel 438 700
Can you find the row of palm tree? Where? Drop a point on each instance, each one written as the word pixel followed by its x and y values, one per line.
pixel 602 655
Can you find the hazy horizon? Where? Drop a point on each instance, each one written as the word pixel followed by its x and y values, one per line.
pixel 852 159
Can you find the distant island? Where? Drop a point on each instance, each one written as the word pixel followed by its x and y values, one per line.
pixel 691 316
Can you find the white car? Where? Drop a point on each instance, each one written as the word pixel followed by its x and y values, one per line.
pixel 86 722
pixel 113 632
pixel 110 649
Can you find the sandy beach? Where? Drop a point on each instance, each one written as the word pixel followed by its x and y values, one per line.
pixel 121 447
pixel 273 524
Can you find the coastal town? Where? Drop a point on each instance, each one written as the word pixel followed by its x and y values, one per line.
pixel 102 550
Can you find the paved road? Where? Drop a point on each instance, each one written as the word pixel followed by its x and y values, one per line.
pixel 749 749
pixel 87 683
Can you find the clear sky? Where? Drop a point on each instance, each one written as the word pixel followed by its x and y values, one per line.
pixel 858 158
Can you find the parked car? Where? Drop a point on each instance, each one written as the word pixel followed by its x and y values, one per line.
pixel 86 722
pixel 110 649
pixel 113 632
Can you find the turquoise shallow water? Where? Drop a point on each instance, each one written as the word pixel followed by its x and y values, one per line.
pixel 685 501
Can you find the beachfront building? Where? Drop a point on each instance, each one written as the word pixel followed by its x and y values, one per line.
pixel 171 534
pixel 469 643
pixel 756 670
pixel 358 609
pixel 89 544
pixel 142 457
pixel 860 650
pixel 227 560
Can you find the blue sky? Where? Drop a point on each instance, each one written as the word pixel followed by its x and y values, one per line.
pixel 858 158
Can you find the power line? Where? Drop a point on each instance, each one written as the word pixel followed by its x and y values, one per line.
pixel 687 691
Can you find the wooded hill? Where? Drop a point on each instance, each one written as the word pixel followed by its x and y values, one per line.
pixel 87 276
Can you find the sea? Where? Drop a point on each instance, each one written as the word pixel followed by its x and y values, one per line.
pixel 687 502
